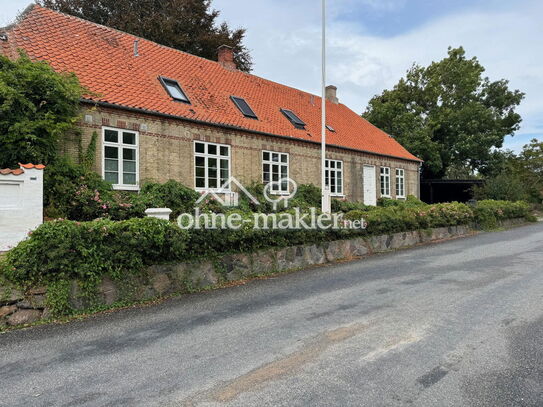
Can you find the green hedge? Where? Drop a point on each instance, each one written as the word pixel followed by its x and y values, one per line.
pixel 488 213
pixel 61 250
pixel 64 250
pixel 397 218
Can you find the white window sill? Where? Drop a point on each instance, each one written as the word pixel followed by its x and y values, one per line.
pixel 126 187
pixel 386 196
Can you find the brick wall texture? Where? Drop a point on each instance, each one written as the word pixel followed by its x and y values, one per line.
pixel 166 152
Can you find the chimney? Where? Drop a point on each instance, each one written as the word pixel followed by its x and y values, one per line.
pixel 226 57
pixel 331 94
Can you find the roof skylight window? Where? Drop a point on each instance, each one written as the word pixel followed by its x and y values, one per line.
pixel 244 107
pixel 174 89
pixel 295 120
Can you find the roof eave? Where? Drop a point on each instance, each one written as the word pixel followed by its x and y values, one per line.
pixel 232 127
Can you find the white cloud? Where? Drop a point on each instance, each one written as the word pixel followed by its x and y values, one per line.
pixel 9 10
pixel 285 42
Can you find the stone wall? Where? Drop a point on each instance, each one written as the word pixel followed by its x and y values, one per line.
pixel 17 308
pixel 166 152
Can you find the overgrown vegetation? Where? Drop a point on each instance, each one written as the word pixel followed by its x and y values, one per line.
pixel 488 213
pixel 37 107
pixel 64 250
pixel 74 191
pixel 510 176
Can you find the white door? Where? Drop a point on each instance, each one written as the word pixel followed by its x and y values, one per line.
pixel 370 191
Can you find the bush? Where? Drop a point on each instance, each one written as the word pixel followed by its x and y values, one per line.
pixel 341 205
pixel 488 213
pixel 66 250
pixel 74 192
pixel 307 196
pixel 505 186
pixel 410 202
pixel 37 107
pixel 171 194
pixel 395 218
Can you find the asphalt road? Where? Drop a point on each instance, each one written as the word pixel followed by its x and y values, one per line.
pixel 458 323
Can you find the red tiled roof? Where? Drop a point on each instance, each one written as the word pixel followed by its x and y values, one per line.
pixel 21 170
pixel 104 61
pixel 7 171
pixel 29 166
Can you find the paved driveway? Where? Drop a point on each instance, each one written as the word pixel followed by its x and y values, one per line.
pixel 452 324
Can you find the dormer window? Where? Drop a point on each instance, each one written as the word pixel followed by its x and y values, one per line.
pixel 295 120
pixel 174 89
pixel 244 107
pixel 330 128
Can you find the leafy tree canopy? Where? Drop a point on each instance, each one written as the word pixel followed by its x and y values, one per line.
pixel 514 176
pixel 187 25
pixel 37 106
pixel 447 113
pixel 532 157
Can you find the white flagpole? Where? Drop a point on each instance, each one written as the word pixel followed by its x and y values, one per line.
pixel 325 200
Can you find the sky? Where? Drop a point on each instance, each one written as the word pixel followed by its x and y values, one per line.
pixel 372 43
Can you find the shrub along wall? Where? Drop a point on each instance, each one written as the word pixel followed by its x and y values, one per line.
pixel 120 254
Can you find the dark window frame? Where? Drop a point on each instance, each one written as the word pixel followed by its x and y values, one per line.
pixel 299 123
pixel 249 116
pixel 164 82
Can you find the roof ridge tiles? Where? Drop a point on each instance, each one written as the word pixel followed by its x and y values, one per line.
pixel 30 166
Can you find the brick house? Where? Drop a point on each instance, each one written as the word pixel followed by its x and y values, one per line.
pixel 164 114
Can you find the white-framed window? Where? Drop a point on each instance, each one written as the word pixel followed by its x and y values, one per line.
pixel 400 183
pixel 120 158
pixel 385 182
pixel 334 176
pixel 211 165
pixel 274 168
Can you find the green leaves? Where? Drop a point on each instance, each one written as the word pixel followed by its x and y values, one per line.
pixel 514 177
pixel 37 106
pixel 488 213
pixel 65 250
pixel 448 113
pixel 87 251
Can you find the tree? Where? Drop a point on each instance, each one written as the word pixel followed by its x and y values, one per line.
pixel 532 157
pixel 37 106
pixel 448 113
pixel 512 177
pixel 506 186
pixel 187 25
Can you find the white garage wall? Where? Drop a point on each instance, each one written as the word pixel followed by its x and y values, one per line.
pixel 21 205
